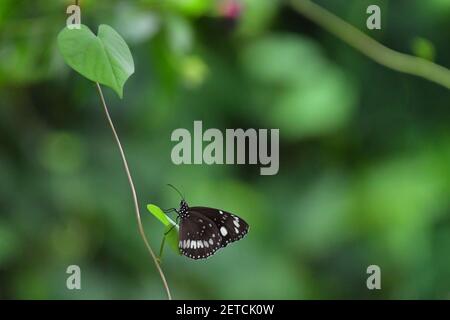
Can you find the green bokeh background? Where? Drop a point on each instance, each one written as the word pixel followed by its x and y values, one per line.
pixel 364 152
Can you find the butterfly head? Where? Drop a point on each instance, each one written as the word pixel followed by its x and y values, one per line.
pixel 184 209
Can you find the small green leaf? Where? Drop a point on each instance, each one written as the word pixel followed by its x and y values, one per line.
pixel 173 238
pixel 170 227
pixel 158 213
pixel 104 58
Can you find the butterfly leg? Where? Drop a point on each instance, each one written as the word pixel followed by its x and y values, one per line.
pixel 168 231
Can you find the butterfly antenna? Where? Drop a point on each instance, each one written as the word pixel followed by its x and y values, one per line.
pixel 181 195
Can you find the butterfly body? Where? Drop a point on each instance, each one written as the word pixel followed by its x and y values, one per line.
pixel 205 230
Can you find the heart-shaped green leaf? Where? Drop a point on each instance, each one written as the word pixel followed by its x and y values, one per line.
pixel 104 58
pixel 170 227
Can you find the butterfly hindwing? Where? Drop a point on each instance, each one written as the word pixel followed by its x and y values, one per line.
pixel 199 236
pixel 231 228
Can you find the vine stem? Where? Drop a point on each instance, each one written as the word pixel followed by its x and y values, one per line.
pixel 374 50
pixel 133 192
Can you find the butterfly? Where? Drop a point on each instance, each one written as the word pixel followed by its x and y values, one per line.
pixel 205 230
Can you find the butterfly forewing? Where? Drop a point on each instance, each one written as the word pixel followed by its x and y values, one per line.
pixel 231 228
pixel 199 236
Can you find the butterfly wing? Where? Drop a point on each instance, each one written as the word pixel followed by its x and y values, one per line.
pixel 231 227
pixel 199 236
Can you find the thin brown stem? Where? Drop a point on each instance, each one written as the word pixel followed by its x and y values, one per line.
pixel 133 192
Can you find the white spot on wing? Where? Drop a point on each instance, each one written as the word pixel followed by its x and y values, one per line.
pixel 236 223
pixel 223 231
pixel 220 211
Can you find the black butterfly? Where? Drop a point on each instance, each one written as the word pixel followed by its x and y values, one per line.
pixel 204 230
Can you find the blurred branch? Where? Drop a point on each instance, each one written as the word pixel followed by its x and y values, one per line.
pixel 383 55
pixel 133 191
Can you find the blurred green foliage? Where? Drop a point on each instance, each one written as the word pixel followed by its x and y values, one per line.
pixel 364 156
